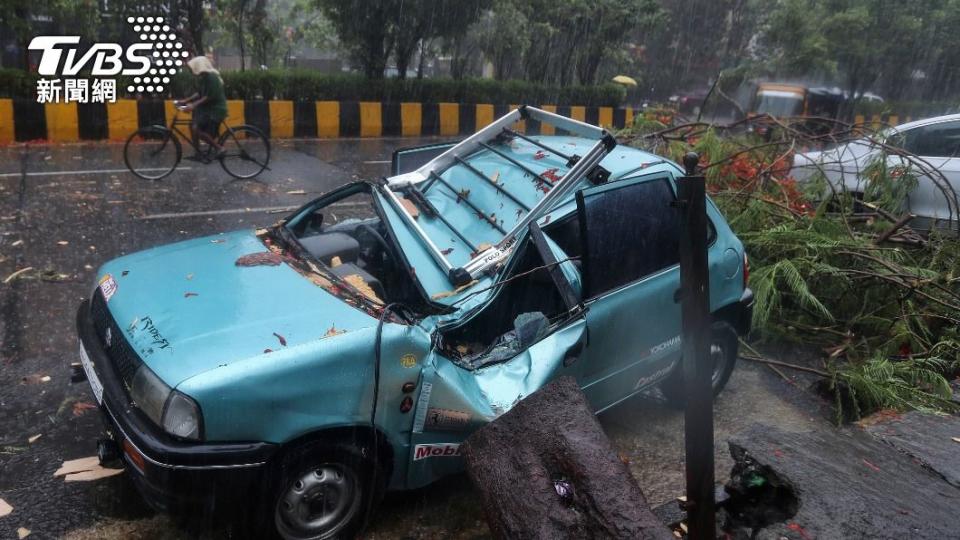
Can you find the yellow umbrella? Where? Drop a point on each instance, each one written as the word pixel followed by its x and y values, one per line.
pixel 624 80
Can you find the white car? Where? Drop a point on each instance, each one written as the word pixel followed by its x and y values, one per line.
pixel 936 144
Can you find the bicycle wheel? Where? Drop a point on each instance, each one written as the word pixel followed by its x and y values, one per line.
pixel 152 152
pixel 246 151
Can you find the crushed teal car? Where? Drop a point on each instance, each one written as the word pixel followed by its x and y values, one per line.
pixel 352 347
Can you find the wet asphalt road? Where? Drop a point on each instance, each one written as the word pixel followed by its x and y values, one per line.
pixel 64 210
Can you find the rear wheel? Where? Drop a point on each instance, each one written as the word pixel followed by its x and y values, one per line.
pixel 723 357
pixel 152 152
pixel 246 151
pixel 323 493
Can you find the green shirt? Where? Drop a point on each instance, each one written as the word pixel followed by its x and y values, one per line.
pixel 211 87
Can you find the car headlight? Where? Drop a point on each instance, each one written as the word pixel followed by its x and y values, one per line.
pixel 176 413
pixel 181 417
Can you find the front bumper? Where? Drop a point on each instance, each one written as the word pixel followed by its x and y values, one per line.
pixel 170 473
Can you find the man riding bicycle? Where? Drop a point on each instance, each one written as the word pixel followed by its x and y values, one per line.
pixel 209 106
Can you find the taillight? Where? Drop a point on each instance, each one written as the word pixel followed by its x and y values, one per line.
pixel 746 269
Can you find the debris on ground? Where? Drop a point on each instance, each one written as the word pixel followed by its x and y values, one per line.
pixel 22 532
pixel 63 243
pixel 84 470
pixel 296 192
pixel 281 339
pixel 81 407
pixel 35 378
pixel 189 294
pixel 53 276
pixel 5 508
pixel 17 274
pixel 263 258
pixel 33 438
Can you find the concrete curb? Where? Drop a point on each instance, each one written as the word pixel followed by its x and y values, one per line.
pixel 27 120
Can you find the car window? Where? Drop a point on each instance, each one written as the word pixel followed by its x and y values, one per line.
pixel 631 232
pixel 565 232
pixel 934 140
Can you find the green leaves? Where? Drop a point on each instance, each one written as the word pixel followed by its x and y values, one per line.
pixel 881 383
pixel 885 314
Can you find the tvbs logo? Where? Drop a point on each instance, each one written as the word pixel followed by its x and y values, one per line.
pixel 151 62
pixel 104 59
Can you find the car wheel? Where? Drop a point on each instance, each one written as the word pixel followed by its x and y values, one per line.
pixel 323 493
pixel 723 356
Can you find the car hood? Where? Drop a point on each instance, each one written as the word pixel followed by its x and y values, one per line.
pixel 188 307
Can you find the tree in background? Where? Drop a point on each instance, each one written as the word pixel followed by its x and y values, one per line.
pixel 263 34
pixel 233 17
pixel 504 38
pixel 695 40
pixel 562 41
pixel 868 44
pixel 28 18
pixel 363 29
pixel 937 52
pixel 301 23
pixel 190 16
pixel 373 31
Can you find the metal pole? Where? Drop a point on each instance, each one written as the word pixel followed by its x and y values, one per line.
pixel 697 368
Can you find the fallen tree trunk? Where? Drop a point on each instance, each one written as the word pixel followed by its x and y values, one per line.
pixel 842 483
pixel 546 469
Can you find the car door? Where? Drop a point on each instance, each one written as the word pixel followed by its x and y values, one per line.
pixel 937 146
pixel 456 397
pixel 630 260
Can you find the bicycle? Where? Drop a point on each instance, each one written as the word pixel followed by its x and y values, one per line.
pixel 153 152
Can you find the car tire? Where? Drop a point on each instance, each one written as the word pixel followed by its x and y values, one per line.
pixel 723 350
pixel 321 491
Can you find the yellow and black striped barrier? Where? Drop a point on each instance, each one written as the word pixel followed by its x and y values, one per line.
pixel 26 120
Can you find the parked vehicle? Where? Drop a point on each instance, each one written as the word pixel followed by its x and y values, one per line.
pixel 936 144
pixel 353 346
pixel 689 102
pixel 787 100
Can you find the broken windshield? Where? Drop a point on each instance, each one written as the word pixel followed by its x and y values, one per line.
pixel 343 231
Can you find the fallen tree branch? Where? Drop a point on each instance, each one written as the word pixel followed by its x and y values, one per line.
pixel 16 274
pixel 768 361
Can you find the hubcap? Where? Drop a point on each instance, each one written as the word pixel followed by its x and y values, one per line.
pixel 319 503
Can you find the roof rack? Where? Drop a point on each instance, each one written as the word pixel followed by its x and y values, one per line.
pixel 429 175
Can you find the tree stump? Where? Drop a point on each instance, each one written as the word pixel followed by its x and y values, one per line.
pixel 545 469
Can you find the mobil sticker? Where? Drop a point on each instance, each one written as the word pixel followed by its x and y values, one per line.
pixel 424 451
